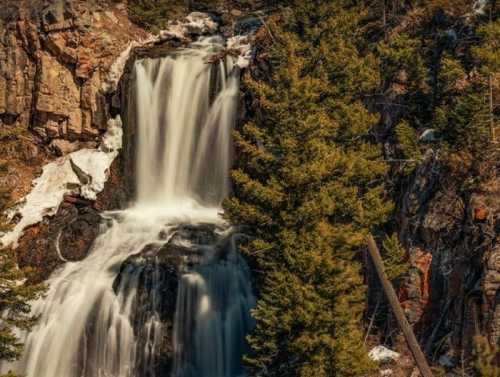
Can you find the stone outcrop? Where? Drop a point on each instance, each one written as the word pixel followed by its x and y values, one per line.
pixel 52 63
pixel 67 236
pixel 54 58
pixel 157 269
pixel 452 235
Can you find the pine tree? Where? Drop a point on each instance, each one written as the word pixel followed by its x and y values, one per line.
pixel 308 185
pixel 16 293
pixel 395 258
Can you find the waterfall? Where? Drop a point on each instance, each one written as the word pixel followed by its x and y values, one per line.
pixel 105 315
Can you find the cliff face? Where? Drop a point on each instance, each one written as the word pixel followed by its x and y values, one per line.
pixel 452 236
pixel 56 90
pixel 54 58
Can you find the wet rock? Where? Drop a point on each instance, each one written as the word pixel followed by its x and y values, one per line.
pixel 78 235
pixel 66 236
pixel 157 269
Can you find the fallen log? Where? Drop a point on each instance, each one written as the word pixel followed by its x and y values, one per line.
pixel 392 298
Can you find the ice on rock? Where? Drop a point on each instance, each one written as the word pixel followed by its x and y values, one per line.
pixel 196 23
pixel 200 23
pixel 479 6
pixel 95 163
pixel 57 180
pixel 241 44
pixel 64 176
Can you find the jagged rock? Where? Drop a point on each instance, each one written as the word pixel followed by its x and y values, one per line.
pixel 59 15
pixel 63 45
pixel 423 185
pixel 59 56
pixel 480 214
pixel 491 282
pixel 67 236
pixel 444 215
pixel 62 147
pixel 59 94
pixel 78 235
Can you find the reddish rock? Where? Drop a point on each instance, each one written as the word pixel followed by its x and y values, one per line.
pixel 414 292
pixel 480 214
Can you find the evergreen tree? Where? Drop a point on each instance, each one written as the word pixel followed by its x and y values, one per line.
pixel 308 185
pixel 395 258
pixel 16 292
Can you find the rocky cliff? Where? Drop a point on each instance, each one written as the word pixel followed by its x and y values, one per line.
pixel 54 61
pixel 57 80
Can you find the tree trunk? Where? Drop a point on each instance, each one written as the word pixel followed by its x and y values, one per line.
pixel 392 298
pixel 492 117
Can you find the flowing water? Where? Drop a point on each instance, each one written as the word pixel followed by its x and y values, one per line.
pixel 93 321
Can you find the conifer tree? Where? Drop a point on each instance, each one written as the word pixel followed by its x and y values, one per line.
pixel 16 293
pixel 308 185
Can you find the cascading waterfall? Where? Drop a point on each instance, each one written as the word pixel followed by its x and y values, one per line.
pixel 93 322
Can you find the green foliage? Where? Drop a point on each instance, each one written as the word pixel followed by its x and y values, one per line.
pixel 308 185
pixel 15 294
pixel 395 258
pixel 464 120
pixel 154 14
pixel 407 139
pixel 402 54
pixel 488 51
pixel 487 358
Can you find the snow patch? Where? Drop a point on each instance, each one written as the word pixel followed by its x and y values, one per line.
pixel 242 44
pixel 382 354
pixel 110 83
pixel 196 23
pixel 479 6
pixel 64 176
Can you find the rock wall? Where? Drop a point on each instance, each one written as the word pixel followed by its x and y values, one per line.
pixel 55 96
pixel 54 58
pixel 453 238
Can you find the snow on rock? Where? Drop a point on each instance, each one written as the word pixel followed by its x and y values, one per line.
pixel 83 172
pixel 479 6
pixel 242 44
pixel 382 354
pixel 196 23
pixel 95 163
pixel 200 23
pixel 57 179
pixel 110 83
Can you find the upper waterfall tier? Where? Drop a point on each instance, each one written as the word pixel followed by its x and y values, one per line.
pixel 185 112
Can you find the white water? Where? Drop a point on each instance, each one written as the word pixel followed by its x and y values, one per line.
pixel 89 319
